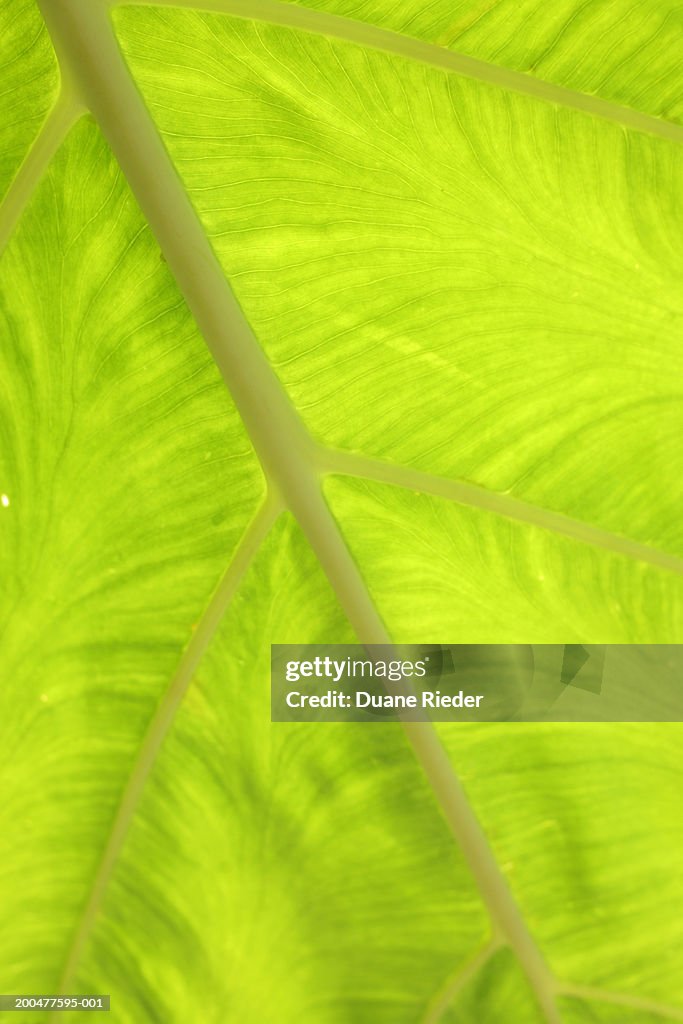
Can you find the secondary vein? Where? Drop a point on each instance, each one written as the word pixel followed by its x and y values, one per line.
pixel 476 496
pixel 457 981
pixel 160 725
pixel 61 118
pixel 364 34
pixel 590 993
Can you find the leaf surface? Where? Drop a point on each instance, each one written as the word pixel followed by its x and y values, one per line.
pixel 471 298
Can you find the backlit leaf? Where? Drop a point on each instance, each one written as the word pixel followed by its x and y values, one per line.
pixel 466 280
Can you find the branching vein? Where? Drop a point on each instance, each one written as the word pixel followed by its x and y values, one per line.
pixel 370 36
pixel 160 724
pixel 600 995
pixel 65 112
pixel 457 981
pixel 465 493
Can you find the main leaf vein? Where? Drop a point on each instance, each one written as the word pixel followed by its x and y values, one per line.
pixel 87 48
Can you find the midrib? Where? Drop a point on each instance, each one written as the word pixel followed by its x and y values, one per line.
pixel 86 46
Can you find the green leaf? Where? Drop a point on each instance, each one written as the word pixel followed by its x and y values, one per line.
pixel 433 251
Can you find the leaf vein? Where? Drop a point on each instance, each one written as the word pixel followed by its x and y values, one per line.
pixel 371 36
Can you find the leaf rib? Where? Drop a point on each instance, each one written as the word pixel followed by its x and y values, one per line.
pixel 86 46
pixel 600 995
pixel 160 724
pixel 364 34
pixel 61 118
pixel 475 496
pixel 457 981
